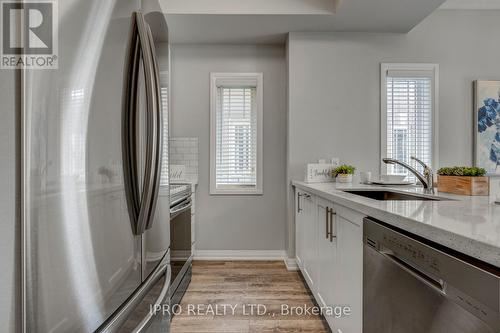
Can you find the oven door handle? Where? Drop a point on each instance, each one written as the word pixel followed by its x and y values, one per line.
pixel 180 208
pixel 437 285
pixel 176 202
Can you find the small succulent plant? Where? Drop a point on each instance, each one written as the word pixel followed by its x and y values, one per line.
pixel 343 170
pixel 462 171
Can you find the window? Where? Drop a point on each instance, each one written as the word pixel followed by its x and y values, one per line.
pixel 399 151
pixel 236 133
pixel 409 115
pixel 164 173
pixel 244 148
pixel 73 134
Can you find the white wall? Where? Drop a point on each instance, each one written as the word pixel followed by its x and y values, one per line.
pixel 334 87
pixel 234 222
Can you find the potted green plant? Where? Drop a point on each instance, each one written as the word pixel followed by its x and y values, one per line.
pixel 463 180
pixel 343 173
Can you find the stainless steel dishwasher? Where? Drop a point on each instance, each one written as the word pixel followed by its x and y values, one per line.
pixel 414 286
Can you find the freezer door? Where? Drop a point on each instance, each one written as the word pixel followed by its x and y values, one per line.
pixel 82 259
pixel 152 312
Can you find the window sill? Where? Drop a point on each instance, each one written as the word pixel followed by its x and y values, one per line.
pixel 235 191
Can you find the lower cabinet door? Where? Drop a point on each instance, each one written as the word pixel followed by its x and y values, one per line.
pixel 327 258
pixel 310 242
pixel 299 228
pixel 329 252
pixel 350 270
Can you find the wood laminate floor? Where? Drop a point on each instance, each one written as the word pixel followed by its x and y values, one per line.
pixel 239 285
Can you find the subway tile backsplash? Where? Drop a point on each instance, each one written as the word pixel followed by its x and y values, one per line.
pixel 184 151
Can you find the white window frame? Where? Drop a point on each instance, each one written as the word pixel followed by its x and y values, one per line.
pixel 384 68
pixel 236 79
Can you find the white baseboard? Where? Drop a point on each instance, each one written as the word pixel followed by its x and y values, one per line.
pixel 291 264
pixel 240 255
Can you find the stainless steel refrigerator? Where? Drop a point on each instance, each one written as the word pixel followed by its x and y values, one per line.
pixel 94 193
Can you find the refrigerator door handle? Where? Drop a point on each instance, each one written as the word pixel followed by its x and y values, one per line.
pixel 151 173
pixel 158 124
pixel 129 126
pixel 141 205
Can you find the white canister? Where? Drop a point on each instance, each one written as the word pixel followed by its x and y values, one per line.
pixel 495 189
pixel 365 177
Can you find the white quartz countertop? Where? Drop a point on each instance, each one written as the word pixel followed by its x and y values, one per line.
pixel 468 224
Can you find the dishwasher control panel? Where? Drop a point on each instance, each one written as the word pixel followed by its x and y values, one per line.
pixel 411 251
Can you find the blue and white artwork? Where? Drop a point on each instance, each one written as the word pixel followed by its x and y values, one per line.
pixel 487 125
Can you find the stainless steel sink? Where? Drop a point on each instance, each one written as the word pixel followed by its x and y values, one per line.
pixel 385 195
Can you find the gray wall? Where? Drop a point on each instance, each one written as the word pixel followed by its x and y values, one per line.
pixel 10 279
pixel 234 222
pixel 334 87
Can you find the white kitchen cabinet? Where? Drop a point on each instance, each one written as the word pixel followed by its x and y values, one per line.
pixel 299 229
pixel 306 238
pixel 349 268
pixel 329 253
pixel 327 283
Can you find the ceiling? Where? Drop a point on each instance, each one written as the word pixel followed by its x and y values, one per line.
pixel 265 21
pixel 471 4
pixel 256 7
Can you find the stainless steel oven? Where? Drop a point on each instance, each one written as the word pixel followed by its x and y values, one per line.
pixel 412 285
pixel 180 241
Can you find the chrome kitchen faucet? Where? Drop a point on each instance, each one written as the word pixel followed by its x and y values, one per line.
pixel 427 178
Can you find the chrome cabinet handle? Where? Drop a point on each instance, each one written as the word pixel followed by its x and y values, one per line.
pixel 332 214
pixel 327 214
pixel 298 202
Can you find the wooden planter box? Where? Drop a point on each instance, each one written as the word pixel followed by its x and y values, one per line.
pixel 464 185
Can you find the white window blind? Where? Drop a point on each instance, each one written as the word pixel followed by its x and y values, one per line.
pixel 164 173
pixel 236 137
pixel 409 118
pixel 73 134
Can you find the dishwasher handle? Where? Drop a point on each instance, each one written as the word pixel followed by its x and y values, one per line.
pixel 437 285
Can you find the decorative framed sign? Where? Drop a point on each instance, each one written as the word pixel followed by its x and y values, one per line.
pixel 487 125
pixel 177 172
pixel 319 173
